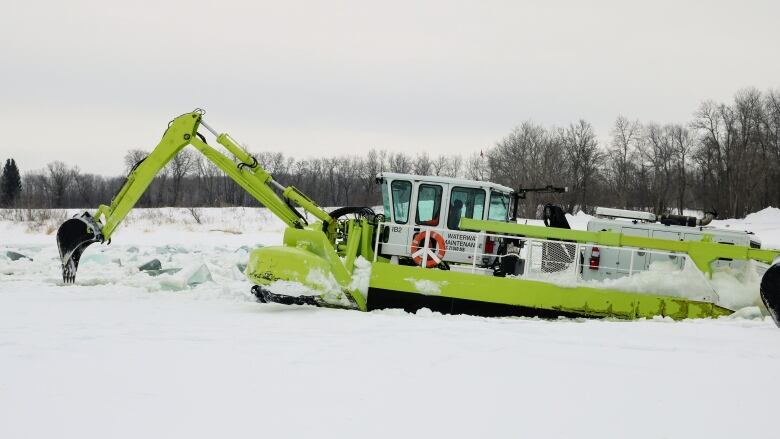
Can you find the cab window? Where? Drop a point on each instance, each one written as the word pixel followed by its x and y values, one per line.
pixel 428 204
pixel 402 197
pixel 386 201
pixel 465 203
pixel 499 206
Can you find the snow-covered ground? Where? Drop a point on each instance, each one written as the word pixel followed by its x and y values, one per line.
pixel 126 354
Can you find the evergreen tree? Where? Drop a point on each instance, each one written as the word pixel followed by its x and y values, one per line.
pixel 10 184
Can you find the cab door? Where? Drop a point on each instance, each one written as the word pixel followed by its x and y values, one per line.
pixel 464 202
pixel 428 213
pixel 395 241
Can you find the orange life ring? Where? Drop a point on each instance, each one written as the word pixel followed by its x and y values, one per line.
pixel 420 247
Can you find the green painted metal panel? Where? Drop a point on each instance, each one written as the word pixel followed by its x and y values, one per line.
pixel 584 301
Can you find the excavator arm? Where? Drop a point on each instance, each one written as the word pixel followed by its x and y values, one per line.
pixel 75 234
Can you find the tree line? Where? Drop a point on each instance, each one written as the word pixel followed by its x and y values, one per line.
pixel 727 158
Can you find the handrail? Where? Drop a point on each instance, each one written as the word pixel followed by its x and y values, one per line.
pixel 703 252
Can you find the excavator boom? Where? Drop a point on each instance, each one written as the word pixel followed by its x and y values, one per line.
pixel 77 233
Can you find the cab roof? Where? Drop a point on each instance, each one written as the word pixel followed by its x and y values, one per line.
pixel 445 180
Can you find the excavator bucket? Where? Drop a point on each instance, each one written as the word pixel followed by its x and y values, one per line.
pixel 73 237
pixel 770 291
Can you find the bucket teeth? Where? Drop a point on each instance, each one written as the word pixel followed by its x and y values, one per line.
pixel 73 237
pixel 69 271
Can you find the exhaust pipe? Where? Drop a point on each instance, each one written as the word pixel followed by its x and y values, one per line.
pixel 73 237
pixel 688 221
pixel 770 290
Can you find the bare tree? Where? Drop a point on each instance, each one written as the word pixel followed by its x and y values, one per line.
pixel 439 164
pixel 477 167
pixel 348 173
pixel 369 169
pixel 181 165
pixel 208 173
pixel 626 137
pixel 732 151
pixel 400 162
pixel 422 164
pixel 446 165
pixel 682 145
pixel 454 165
pixel 771 145
pixel 584 157
pixel 516 159
pixel 85 188
pixel 60 178
pixel 658 153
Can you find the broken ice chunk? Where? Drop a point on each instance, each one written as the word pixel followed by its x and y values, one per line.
pixel 198 276
pixel 190 276
pixel 154 264
pixel 14 256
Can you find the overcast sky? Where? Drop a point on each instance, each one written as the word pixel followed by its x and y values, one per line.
pixel 83 81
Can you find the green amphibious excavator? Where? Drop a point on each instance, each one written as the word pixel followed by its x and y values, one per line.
pixel 448 244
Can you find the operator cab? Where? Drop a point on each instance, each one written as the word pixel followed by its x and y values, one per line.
pixel 427 209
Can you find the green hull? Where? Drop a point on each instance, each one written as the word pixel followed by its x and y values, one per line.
pixel 454 292
pixel 446 291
